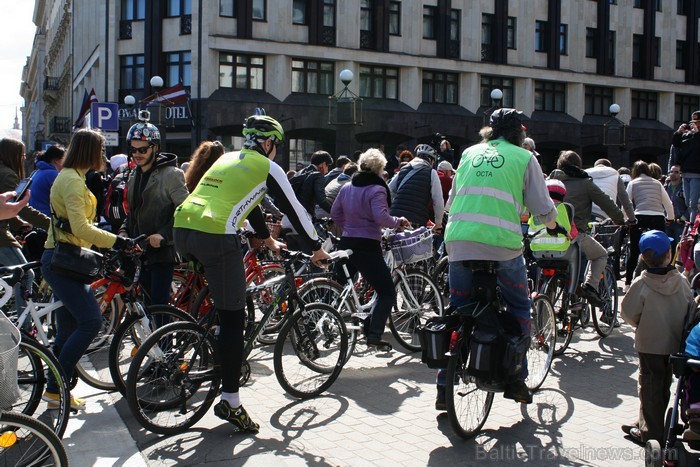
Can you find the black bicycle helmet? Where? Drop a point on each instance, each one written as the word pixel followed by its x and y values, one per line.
pixel 506 119
pixel 143 131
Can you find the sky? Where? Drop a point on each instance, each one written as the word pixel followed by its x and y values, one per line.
pixel 16 37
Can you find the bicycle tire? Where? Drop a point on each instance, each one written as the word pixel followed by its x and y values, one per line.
pixel 126 340
pixel 170 386
pixel 34 363
pixel 604 317
pixel 553 289
pixel 468 407
pixel 441 277
pixel 417 300
pixel 543 336
pixel 309 355
pixel 328 291
pixel 25 441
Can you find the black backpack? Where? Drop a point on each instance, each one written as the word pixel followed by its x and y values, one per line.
pixel 116 205
pixel 297 181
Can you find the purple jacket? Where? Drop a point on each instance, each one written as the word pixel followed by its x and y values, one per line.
pixel 362 211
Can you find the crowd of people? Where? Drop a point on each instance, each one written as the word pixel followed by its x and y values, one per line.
pixel 477 201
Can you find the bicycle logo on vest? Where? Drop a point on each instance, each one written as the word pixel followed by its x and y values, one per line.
pixel 490 157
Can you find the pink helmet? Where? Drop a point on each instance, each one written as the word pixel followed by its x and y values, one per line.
pixel 555 186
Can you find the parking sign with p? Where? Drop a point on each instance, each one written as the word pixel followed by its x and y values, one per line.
pixel 105 116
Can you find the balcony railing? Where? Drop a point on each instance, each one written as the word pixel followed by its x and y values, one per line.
pixel 125 29
pixel 51 83
pixel 59 125
pixel 185 24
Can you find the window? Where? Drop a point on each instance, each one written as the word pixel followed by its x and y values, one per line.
pixel 512 32
pixel 178 66
pixel 489 83
pixel 455 33
pixel 591 45
pixel 686 104
pixel 644 105
pixel 637 56
pixel 395 18
pixel 429 22
pixel 379 82
pixel 133 10
pixel 259 10
pixel 179 8
pixel 540 36
pixel 488 26
pixel 680 55
pixel 312 77
pixel 131 72
pixel 227 8
pixel 299 12
pixel 598 100
pixel 440 87
pixel 637 4
pixel 241 71
pixel 550 96
pixel 682 6
pixel 329 13
pixel 563 39
pixel 657 52
pixel 366 15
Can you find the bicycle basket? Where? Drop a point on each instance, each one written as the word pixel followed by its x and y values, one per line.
pixel 609 236
pixel 411 247
pixel 9 354
pixel 274 228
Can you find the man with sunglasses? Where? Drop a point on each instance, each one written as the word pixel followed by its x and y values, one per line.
pixel 155 188
pixel 206 227
pixel 674 188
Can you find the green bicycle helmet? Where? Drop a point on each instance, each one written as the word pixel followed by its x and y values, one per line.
pixel 257 127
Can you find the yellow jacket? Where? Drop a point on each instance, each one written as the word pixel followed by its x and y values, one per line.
pixel 72 200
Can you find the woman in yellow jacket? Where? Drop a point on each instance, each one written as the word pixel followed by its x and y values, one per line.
pixel 79 320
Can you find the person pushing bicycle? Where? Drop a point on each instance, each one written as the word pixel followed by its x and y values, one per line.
pixel 496 180
pixel 206 226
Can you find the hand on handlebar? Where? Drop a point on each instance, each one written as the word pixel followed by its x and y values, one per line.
pixel 319 256
pixel 155 240
pixel 405 223
pixel 274 245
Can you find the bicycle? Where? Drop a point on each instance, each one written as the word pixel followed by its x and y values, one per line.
pixel 174 376
pixel 25 441
pixel 469 398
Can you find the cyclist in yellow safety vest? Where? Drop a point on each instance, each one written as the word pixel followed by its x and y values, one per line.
pixel 559 243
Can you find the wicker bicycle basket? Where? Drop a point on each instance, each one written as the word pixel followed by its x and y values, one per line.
pixel 411 247
pixel 9 354
pixel 274 228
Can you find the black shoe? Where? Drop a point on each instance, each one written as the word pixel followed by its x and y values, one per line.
pixel 375 342
pixel 636 435
pixel 588 292
pixel 237 417
pixel 440 401
pixel 626 429
pixel 519 392
pixel 607 319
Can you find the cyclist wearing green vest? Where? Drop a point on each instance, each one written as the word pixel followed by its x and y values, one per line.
pixel 205 229
pixel 496 181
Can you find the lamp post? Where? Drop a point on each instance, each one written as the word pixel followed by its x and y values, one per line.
pixel 156 83
pixel 496 97
pixel 345 112
pixel 614 136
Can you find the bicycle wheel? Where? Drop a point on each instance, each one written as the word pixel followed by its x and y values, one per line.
pixel 605 317
pixel 468 406
pixel 131 334
pixel 34 365
pixel 328 291
pixel 310 350
pixel 417 300
pixel 554 289
pixel 25 441
pixel 543 338
pixel 172 382
pixel 441 277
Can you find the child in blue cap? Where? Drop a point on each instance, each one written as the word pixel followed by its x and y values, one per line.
pixel 656 306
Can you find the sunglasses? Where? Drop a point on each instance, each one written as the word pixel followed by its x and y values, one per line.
pixel 143 150
pixel 675 172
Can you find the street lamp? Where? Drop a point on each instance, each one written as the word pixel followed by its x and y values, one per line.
pixel 496 96
pixel 614 136
pixel 344 111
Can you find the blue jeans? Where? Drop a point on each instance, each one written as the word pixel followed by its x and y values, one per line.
pixel 674 231
pixel 512 280
pixel 156 279
pixel 77 322
pixel 11 256
pixel 691 191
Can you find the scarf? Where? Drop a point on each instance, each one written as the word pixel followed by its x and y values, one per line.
pixel 363 178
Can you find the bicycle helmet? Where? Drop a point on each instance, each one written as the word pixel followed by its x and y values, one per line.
pixel 143 131
pixel 426 152
pixel 261 127
pixel 557 189
pixel 506 119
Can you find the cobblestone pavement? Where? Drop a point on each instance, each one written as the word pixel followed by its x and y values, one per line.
pixel 380 412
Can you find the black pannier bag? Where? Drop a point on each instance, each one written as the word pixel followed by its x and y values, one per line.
pixel 497 349
pixel 435 339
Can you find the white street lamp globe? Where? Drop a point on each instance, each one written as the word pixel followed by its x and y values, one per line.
pixel 614 109
pixel 346 76
pixel 497 94
pixel 157 82
pixel 129 100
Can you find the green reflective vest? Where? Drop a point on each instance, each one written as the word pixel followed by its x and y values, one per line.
pixel 489 199
pixel 545 242
pixel 226 194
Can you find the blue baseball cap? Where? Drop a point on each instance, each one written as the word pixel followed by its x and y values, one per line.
pixel 655 240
